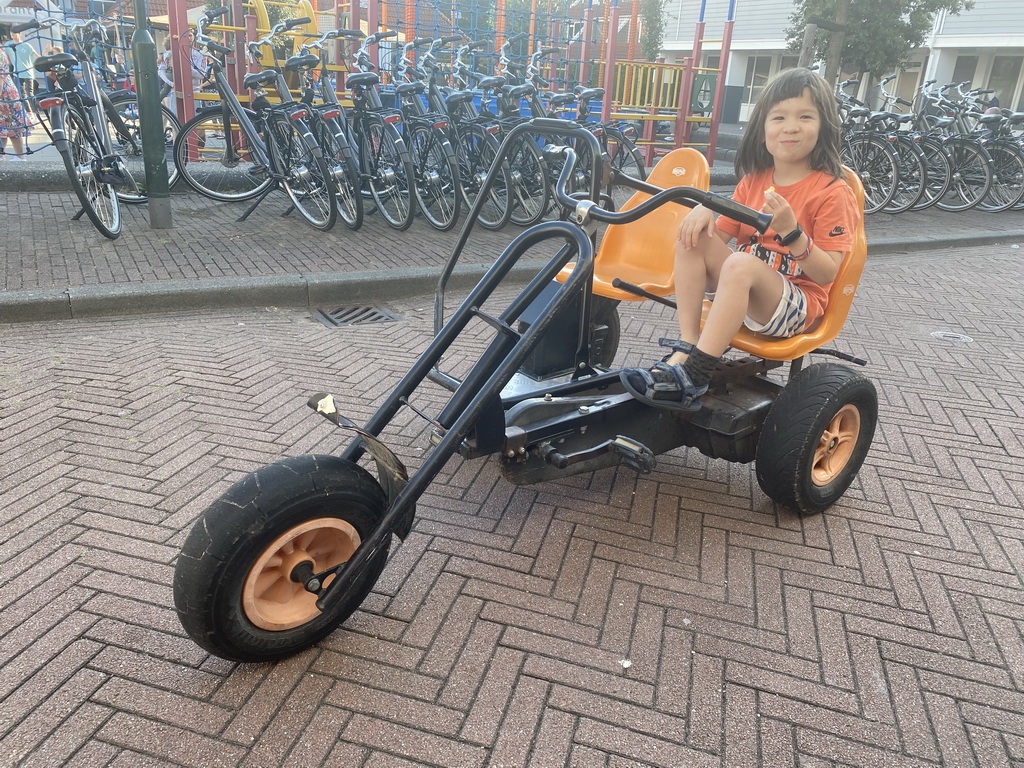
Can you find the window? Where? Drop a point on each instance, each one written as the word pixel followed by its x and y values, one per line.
pixel 1004 77
pixel 758 70
pixel 965 68
pixel 788 62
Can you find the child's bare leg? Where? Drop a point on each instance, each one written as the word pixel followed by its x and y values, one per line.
pixel 746 286
pixel 696 271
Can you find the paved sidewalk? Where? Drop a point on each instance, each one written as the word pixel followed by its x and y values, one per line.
pixel 58 268
pixel 608 620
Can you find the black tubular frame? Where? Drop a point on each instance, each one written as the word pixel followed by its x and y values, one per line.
pixel 481 389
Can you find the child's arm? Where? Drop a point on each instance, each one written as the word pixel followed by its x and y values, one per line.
pixel 819 265
pixel 696 223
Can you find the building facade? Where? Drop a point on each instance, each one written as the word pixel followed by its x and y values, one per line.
pixel 984 45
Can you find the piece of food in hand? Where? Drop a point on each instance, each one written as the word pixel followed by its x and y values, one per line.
pixel 770 189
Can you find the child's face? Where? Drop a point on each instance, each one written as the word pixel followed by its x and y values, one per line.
pixel 791 129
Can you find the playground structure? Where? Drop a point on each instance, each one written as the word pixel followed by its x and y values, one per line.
pixel 642 92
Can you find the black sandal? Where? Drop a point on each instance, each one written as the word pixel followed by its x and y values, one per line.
pixel 676 345
pixel 663 386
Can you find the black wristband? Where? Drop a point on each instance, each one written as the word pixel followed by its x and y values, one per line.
pixel 791 237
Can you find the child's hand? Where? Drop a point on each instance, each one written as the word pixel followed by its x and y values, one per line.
pixel 783 218
pixel 696 223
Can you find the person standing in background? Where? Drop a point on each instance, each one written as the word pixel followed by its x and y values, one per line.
pixel 13 117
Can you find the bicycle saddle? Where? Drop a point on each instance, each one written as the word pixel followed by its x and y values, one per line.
pixel 561 99
pixel 307 61
pixel 362 79
pixel 494 81
pixel 266 77
pixel 590 93
pixel 405 88
pixel 990 119
pixel 518 91
pixel 44 63
pixel 459 97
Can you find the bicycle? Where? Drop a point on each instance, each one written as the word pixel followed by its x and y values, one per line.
pixel 867 152
pixel 230 153
pixel 384 161
pixel 76 118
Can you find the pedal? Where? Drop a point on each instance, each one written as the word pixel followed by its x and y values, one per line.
pixel 634 454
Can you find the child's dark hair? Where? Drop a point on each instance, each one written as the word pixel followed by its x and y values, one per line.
pixel 752 155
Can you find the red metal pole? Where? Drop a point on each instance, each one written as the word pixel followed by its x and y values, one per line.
pixel 181 60
pixel 716 109
pixel 609 60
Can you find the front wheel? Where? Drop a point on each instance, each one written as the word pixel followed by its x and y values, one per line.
pixel 388 168
pixel 816 436
pixel 305 176
pixel 436 177
pixel 233 586
pixel 86 167
pixel 971 176
pixel 874 161
pixel 128 145
pixel 213 157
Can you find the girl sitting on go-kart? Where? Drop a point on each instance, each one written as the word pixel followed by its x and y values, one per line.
pixel 776 283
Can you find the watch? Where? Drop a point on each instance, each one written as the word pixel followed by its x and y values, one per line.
pixel 791 237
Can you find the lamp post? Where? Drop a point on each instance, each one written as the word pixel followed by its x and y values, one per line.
pixel 154 151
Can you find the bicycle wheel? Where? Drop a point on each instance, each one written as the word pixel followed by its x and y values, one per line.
pixel 475 151
pixel 305 176
pixel 129 146
pixel 875 163
pixel 436 178
pixel 214 159
pixel 83 162
pixel 1007 177
pixel 529 193
pixel 343 169
pixel 626 159
pixel 913 175
pixel 971 178
pixel 389 171
pixel 939 172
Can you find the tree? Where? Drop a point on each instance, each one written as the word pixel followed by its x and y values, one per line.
pixel 652 26
pixel 880 34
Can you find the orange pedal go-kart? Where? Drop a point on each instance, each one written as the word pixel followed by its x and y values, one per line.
pixel 291 550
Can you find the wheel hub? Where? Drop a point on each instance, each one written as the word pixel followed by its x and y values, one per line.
pixel 836 445
pixel 271 598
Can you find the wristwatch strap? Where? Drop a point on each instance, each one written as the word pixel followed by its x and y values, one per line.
pixel 791 237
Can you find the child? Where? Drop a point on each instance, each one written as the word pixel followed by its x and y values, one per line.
pixel 776 283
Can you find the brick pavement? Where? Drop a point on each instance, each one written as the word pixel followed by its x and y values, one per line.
pixel 887 632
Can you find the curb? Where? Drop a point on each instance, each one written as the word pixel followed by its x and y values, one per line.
pixel 224 293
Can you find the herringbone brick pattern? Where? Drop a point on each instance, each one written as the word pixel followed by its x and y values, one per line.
pixel 672 619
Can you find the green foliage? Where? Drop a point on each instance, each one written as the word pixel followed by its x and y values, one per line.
pixel 880 35
pixel 652 17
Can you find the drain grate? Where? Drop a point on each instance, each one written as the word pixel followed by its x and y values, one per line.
pixel 342 316
pixel 952 336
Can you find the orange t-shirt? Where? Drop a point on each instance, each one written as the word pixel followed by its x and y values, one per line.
pixel 826 210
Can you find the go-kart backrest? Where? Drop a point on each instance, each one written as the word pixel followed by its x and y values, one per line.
pixel 643 252
pixel 840 299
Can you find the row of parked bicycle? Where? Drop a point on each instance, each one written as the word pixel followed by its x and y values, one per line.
pixel 426 154
pixel 955 152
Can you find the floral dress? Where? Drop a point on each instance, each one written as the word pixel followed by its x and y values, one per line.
pixel 13 120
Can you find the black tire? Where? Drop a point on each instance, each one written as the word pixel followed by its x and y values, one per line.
pixel 388 168
pixel 939 172
pixel 815 437
pixel 436 175
pixel 81 160
pixel 913 176
pixel 306 177
pixel 475 150
pixel 971 176
pixel 625 158
pixel 875 163
pixel 1007 177
pixel 345 171
pixel 129 146
pixel 212 157
pixel 320 506
pixel 529 194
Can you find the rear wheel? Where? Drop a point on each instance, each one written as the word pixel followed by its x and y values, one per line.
pixel 815 437
pixel 306 178
pixel 85 165
pixel 389 172
pixel 436 178
pixel 234 589
pixel 475 150
pixel 971 176
pixel 528 191
pixel 913 175
pixel 213 158
pixel 343 168
pixel 939 172
pixel 875 163
pixel 1007 177
pixel 627 159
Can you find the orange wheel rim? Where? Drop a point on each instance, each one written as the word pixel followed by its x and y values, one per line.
pixel 835 447
pixel 270 599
